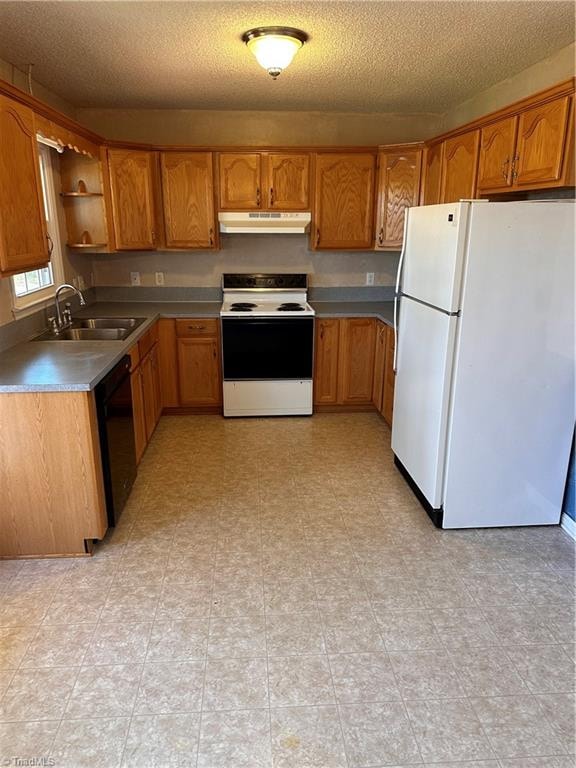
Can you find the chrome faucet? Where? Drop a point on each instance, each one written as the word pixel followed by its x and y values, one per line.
pixel 64 319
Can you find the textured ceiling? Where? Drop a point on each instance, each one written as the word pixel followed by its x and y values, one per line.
pixel 362 56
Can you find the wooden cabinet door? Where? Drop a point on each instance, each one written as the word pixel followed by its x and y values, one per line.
pixel 240 181
pixel 288 182
pixel 199 371
pixel 140 436
pixel 344 201
pixel 432 174
pixel 497 143
pixel 326 354
pixel 541 140
pixel 389 378
pixel 399 188
pixel 379 363
pixel 459 167
pixel 188 198
pixel 23 235
pixel 132 190
pixel 148 394
pixel 356 375
pixel 156 388
pixel 168 363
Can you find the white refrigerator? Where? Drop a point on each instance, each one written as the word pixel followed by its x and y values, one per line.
pixel 484 402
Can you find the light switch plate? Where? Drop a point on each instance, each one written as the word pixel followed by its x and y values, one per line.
pixel 369 278
pixel 159 277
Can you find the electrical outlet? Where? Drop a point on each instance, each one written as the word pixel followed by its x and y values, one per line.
pixel 159 277
pixel 369 278
pixel 134 278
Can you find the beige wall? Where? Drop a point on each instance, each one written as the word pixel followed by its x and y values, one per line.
pixel 560 66
pixel 14 76
pixel 188 126
pixel 247 253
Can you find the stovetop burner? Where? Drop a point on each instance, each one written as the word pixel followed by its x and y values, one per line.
pixel 290 308
pixel 243 305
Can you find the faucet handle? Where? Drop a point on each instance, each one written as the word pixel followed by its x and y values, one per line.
pixel 67 313
pixel 52 324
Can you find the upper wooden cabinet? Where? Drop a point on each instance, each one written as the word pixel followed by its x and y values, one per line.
pixel 240 181
pixel 257 181
pixel 288 181
pixel 188 199
pixel 497 144
pixel 398 189
pixel 344 201
pixel 459 167
pixel 132 176
pixel 541 141
pixel 526 151
pixel 23 235
pixel 432 174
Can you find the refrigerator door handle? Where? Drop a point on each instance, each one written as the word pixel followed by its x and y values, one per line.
pixel 402 252
pixel 394 366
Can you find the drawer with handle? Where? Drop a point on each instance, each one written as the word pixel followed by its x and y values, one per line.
pixel 206 326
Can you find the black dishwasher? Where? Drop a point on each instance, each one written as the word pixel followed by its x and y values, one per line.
pixel 116 430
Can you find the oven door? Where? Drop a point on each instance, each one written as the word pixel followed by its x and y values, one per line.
pixel 267 348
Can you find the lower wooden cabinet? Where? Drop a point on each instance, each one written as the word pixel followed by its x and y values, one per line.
pixel 344 361
pixel 389 378
pixel 199 371
pixel 146 389
pixel 379 361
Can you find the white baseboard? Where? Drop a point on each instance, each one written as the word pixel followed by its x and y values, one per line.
pixel 569 525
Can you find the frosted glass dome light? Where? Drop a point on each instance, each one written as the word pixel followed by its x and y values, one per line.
pixel 274 47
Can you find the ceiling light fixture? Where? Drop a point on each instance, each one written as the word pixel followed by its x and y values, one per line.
pixel 274 47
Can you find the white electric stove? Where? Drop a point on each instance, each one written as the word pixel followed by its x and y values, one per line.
pixel 267 345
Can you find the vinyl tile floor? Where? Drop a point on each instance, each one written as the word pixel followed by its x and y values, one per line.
pixel 275 597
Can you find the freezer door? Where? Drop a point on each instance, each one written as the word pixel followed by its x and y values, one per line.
pixel 421 399
pixel 434 254
pixel 513 394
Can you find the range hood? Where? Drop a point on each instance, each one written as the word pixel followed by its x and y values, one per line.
pixel 265 223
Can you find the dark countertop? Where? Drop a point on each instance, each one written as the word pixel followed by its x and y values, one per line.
pixel 77 366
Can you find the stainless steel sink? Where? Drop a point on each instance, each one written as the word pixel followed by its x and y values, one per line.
pixel 108 322
pixel 95 329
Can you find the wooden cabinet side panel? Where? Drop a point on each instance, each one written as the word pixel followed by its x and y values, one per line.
pixel 23 236
pixel 149 395
pixel 50 474
pixel 132 176
pixel 432 169
pixel 379 362
pixel 326 356
pixel 389 378
pixel 541 141
pixel 168 363
pixel 344 201
pixel 188 192
pixel 288 181
pixel 460 166
pixel 357 346
pixel 140 436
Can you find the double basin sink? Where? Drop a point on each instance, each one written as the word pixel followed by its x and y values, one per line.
pixel 95 329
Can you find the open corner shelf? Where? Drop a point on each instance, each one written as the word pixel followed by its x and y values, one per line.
pixel 81 194
pixel 86 245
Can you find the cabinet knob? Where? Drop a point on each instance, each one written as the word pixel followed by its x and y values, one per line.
pixel 381 236
pixel 317 237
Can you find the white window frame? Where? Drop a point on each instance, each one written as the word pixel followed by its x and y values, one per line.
pixel 33 301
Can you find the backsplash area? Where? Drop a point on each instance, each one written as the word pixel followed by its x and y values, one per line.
pixel 247 253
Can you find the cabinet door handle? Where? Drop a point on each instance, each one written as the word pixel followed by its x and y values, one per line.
pixel 271 196
pixel 258 196
pixel 505 165
pixel 50 245
pixel 381 236
pixel 321 332
pixel 196 327
pixel 211 235
pixel 515 159
pixel 317 237
pixel 214 351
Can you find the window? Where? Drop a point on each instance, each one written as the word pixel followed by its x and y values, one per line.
pixel 30 288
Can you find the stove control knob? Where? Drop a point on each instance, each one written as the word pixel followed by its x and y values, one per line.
pixel 251 281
